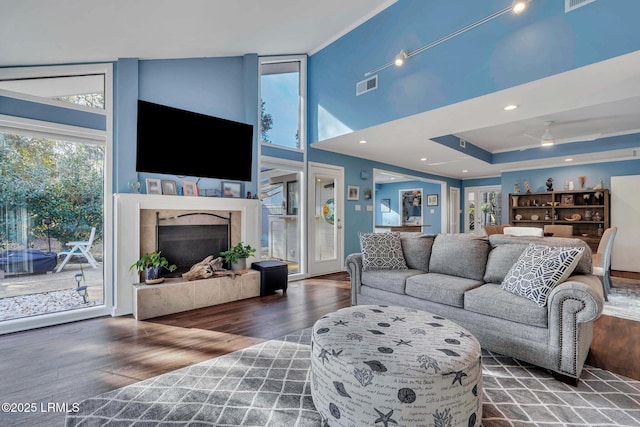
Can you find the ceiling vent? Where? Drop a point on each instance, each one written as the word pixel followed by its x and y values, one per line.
pixel 367 85
pixel 570 5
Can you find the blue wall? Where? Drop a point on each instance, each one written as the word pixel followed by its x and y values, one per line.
pixel 508 51
pixel 222 87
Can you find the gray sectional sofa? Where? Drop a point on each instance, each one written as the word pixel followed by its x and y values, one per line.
pixel 459 277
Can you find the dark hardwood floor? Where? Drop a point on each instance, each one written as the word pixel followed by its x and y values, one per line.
pixel 71 362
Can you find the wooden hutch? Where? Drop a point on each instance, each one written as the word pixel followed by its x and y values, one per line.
pixel 587 210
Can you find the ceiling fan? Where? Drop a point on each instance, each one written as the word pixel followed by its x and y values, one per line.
pixel 548 139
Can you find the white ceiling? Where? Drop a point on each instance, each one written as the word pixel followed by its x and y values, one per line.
pixel 592 102
pixel 53 32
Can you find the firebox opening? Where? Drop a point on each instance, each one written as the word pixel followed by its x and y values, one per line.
pixel 186 245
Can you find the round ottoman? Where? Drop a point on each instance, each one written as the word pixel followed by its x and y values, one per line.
pixel 387 366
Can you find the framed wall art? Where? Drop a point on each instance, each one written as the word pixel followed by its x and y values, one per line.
pixel 385 205
pixel 353 192
pixel 432 200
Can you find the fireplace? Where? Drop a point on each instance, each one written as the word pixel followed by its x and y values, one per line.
pixel 185 243
pixel 135 232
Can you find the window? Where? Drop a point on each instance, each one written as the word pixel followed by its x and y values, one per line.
pixel 86 90
pixel 54 219
pixel 282 107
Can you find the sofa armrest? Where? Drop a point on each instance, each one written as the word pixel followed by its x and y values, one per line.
pixel 585 290
pixel 573 306
pixel 354 267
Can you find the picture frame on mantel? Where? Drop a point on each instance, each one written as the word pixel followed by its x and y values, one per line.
pixel 189 188
pixel 231 189
pixel 153 186
pixel 169 187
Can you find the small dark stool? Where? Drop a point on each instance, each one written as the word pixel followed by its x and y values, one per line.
pixel 273 275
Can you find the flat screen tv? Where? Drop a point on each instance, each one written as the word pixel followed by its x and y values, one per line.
pixel 179 142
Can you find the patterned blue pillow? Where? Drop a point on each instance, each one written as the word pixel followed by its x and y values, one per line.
pixel 382 251
pixel 539 269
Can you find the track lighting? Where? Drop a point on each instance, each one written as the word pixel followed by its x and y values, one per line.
pixel 547 138
pixel 517 7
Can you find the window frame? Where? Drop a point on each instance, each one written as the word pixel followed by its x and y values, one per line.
pixel 302 107
pixel 73 133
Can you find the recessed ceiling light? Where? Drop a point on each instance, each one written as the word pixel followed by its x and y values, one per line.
pixel 568 160
pixel 423 159
pixel 510 107
pixel 362 141
pixel 464 171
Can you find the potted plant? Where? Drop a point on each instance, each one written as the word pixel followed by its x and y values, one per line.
pixel 238 255
pixel 152 264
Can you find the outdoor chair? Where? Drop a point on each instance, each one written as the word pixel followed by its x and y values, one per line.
pixel 81 249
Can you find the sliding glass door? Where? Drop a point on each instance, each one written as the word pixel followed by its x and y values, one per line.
pixel 54 177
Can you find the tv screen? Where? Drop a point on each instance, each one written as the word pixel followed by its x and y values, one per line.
pixel 179 142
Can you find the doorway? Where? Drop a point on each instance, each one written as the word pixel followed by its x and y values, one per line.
pixel 482 206
pixel 282 215
pixel 326 207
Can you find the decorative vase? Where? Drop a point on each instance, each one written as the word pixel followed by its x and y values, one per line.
pixel 514 200
pixel 240 264
pixel 152 275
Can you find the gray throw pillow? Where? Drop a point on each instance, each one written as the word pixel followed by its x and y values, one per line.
pixel 539 269
pixel 416 248
pixel 381 251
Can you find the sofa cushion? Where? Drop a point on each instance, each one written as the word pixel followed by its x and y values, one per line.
pixel 493 301
pixel 416 248
pixel 440 288
pixel 460 255
pixel 381 251
pixel 510 248
pixel 539 269
pixel 388 280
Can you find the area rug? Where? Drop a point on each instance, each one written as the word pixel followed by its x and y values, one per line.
pixel 268 385
pixel 41 303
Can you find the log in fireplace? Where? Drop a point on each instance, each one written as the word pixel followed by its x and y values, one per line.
pixel 186 244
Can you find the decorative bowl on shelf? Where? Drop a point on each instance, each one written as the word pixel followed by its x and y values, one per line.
pixel 518 217
pixel 534 217
pixel 574 217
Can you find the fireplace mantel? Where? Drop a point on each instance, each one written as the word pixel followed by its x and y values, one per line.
pixel 127 207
